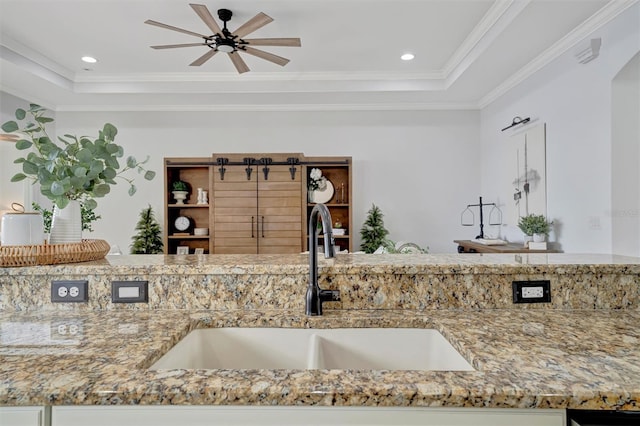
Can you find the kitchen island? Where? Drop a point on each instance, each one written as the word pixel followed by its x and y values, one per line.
pixel 579 351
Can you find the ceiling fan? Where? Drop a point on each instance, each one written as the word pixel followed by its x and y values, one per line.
pixel 231 43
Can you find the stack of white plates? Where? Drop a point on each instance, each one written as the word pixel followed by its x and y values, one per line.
pixel 201 231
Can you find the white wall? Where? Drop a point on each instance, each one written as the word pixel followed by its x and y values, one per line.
pixel 575 103
pixel 625 181
pixel 11 192
pixel 419 167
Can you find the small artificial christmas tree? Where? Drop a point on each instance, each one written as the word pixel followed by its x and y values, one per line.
pixel 148 240
pixel 373 232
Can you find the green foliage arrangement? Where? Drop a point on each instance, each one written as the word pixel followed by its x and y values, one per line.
pixel 403 248
pixel 79 168
pixel 534 224
pixel 179 185
pixel 373 232
pixel 148 240
pixel 88 216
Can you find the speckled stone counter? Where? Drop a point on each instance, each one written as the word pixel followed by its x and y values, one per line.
pixel 525 359
pixel 581 351
pixel 415 282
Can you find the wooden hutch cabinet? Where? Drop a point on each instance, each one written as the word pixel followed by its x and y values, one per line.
pixel 257 203
pixel 337 170
pixel 197 173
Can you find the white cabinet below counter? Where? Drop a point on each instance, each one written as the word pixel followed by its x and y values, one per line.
pixel 290 416
pixel 25 416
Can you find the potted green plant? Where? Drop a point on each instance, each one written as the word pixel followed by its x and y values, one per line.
pixel 373 232
pixel 535 226
pixel 73 171
pixel 180 191
pixel 148 240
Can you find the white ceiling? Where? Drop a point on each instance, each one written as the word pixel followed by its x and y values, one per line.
pixel 468 52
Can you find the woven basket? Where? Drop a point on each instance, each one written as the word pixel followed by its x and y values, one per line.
pixel 52 254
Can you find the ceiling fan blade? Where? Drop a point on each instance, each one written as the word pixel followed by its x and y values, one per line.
pixel 292 42
pixel 258 21
pixel 172 46
pixel 266 55
pixel 204 58
pixel 206 17
pixel 238 62
pixel 8 137
pixel 170 27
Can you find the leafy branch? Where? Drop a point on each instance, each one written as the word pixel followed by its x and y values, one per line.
pixel 78 168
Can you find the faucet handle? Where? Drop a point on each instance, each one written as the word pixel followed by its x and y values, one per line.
pixel 330 296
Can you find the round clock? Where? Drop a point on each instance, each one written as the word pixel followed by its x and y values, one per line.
pixel 182 223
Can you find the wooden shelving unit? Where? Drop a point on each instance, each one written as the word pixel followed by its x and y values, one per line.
pixel 338 170
pixel 249 212
pixel 197 172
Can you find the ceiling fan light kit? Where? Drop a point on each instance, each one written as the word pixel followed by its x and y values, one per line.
pixel 231 43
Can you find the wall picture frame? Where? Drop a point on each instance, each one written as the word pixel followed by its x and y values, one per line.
pixel 527 172
pixel 199 250
pixel 182 250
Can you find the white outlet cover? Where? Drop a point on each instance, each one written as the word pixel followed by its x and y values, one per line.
pixel 532 292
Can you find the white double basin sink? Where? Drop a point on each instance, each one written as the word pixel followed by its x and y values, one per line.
pixel 294 348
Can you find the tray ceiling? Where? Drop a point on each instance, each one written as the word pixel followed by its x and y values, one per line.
pixel 467 52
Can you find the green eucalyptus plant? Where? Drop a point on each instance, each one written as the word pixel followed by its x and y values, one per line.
pixel 79 168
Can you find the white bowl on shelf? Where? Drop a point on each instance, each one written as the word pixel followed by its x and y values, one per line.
pixel 201 231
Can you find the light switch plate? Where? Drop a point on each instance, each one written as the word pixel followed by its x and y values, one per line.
pixel 129 291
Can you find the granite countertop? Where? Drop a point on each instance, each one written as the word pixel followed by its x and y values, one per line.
pixel 523 359
pixel 485 263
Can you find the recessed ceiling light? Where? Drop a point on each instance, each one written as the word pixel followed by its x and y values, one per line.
pixel 89 59
pixel 407 56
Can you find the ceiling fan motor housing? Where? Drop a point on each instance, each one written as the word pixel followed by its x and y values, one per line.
pixel 225 45
pixel 225 15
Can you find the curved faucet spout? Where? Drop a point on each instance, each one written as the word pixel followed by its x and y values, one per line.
pixel 315 295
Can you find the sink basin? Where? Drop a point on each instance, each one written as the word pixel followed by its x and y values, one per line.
pixel 385 349
pixel 239 348
pixel 293 348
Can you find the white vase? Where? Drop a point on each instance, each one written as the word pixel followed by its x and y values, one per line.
pixel 527 239
pixel 66 224
pixel 539 238
pixel 180 196
pixel 311 196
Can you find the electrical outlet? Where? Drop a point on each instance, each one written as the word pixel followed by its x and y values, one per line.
pixel 70 291
pixel 531 291
pixel 67 330
pixel 129 291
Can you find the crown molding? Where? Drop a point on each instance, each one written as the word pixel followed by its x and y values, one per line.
pixel 32 60
pixel 497 18
pixel 27 96
pixel 253 77
pixel 593 23
pixel 269 107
